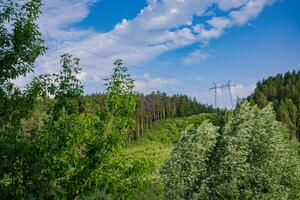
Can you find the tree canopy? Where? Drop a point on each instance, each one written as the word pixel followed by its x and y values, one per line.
pixel 250 158
pixel 20 40
pixel 284 92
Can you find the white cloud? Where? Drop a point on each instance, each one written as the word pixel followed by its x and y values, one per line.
pixel 230 4
pixel 81 76
pixel 195 57
pixel 243 91
pixel 147 83
pixel 199 77
pixel 59 14
pixel 250 10
pixel 160 27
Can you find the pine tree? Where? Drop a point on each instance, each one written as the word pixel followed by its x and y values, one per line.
pixel 284 92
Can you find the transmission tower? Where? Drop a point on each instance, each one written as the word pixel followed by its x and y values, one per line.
pixel 215 88
pixel 228 85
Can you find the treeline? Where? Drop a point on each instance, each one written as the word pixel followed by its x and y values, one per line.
pixel 150 109
pixel 284 93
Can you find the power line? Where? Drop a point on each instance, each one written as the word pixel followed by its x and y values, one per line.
pixel 228 85
pixel 157 73
pixel 170 90
pixel 166 75
pixel 215 88
pixel 147 70
pixel 96 54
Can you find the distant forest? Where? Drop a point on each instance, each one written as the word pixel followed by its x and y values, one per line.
pixel 284 92
pixel 151 109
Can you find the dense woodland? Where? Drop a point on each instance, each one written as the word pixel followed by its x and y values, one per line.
pixel 56 143
pixel 151 108
pixel 284 93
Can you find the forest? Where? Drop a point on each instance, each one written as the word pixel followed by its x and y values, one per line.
pixel 283 91
pixel 58 143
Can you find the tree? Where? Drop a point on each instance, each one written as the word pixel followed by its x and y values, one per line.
pixel 283 91
pixel 69 146
pixel 121 99
pixel 64 87
pixel 261 99
pixel 20 45
pixel 188 162
pixel 20 39
pixel 252 158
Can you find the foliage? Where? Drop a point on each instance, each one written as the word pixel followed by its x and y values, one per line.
pixel 170 131
pixel 188 162
pixel 63 84
pixel 20 39
pixel 69 148
pixel 20 45
pixel 131 172
pixel 284 92
pixel 150 109
pixel 56 143
pixel 63 87
pixel 37 164
pixel 252 158
pixel 120 96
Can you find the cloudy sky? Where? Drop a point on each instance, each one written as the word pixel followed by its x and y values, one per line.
pixel 176 46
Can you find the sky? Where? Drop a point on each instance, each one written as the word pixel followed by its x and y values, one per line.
pixel 176 46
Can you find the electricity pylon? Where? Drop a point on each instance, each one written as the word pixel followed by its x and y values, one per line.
pixel 215 88
pixel 228 86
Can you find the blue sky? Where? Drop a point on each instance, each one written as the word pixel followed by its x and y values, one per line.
pixel 177 46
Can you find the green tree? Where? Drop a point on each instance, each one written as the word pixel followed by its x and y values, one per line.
pixel 261 99
pixel 283 91
pixel 20 39
pixel 188 162
pixel 252 158
pixel 121 99
pixel 70 146
pixel 20 45
pixel 64 87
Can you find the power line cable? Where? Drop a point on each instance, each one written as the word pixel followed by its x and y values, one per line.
pixel 168 90
pixel 147 70
pixel 166 75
